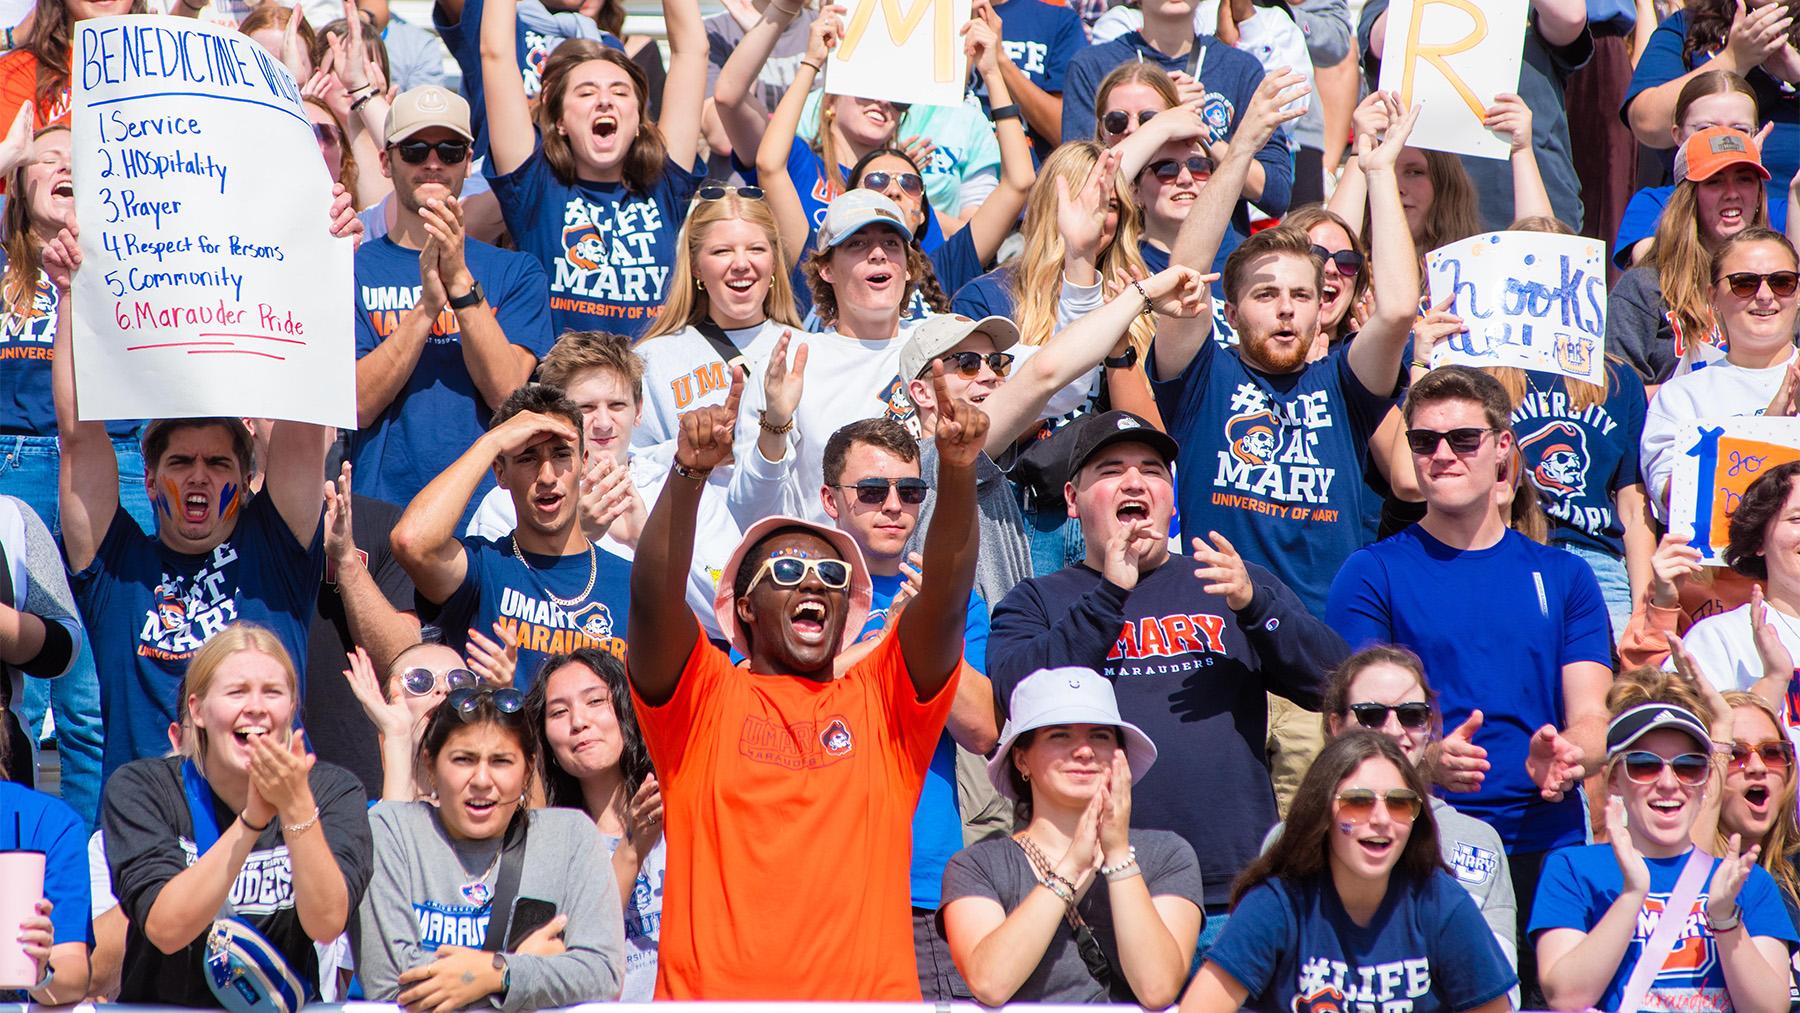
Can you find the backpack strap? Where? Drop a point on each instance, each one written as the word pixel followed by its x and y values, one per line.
pixel 721 345
pixel 200 810
pixel 1662 941
pixel 506 888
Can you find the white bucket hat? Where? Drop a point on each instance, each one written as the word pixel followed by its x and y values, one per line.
pixel 1066 696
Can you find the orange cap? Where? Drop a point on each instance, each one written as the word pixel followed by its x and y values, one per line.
pixel 1707 151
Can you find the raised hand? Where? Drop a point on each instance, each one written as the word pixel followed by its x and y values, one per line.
pixel 526 428
pixel 1688 667
pixel 62 257
pixel 981 44
pixel 492 663
pixel 1081 216
pixel 344 223
pixel 340 538
pixel 1437 324
pixel 919 150
pixel 1631 864
pixel 1374 155
pixel 293 52
pixel 353 61
pixel 329 89
pixel 783 383
pixel 704 440
pixel 443 221
pixel 1178 291
pixel 1728 879
pixel 1673 560
pixel 19 145
pixel 1114 827
pixel 962 427
pixel 1223 571
pixel 1510 116
pixel 827 31
pixel 912 569
pixel 1187 89
pixel 1084 855
pixel 1461 764
pixel 278 775
pixel 1777 660
pixel 1757 34
pixel 1554 763
pixel 608 494
pixel 1270 107
pixel 390 717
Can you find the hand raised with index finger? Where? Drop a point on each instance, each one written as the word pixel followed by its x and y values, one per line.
pixel 962 427
pixel 704 441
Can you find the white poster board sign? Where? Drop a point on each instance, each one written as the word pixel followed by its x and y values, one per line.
pixel 1529 299
pixel 1719 459
pixel 902 51
pixel 1454 57
pixel 210 284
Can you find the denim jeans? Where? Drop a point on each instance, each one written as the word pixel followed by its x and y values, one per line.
pixel 1209 936
pixel 28 470
pixel 1615 585
pixel 1055 540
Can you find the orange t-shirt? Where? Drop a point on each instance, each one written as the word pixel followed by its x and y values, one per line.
pixel 788 821
pixel 18 85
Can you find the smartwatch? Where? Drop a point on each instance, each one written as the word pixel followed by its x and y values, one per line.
pixel 1126 361
pixel 473 297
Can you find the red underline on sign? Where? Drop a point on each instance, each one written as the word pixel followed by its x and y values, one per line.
pixel 234 351
pixel 259 337
pixel 174 344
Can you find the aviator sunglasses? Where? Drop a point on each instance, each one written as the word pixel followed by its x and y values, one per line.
pixel 1358 804
pixel 420 681
pixel 910 182
pixel 1777 754
pixel 874 491
pixel 1745 284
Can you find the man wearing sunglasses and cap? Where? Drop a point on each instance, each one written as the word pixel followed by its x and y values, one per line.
pixel 446 325
pixel 785 756
pixel 1192 646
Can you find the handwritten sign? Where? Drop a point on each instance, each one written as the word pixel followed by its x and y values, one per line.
pixel 1529 299
pixel 1454 56
pixel 902 51
pixel 210 284
pixel 1720 459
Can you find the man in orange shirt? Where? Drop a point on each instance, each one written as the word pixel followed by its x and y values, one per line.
pixel 788 789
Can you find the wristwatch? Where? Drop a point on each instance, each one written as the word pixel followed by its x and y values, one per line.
pixel 1126 361
pixel 474 297
pixel 505 972
pixel 1716 927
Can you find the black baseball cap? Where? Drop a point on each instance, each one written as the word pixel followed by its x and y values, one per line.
pixel 1098 431
pixel 1645 718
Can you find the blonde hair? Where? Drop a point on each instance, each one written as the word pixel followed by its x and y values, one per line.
pixel 234 639
pixel 24 250
pixel 1684 265
pixel 1036 279
pixel 1150 75
pixel 578 352
pixel 825 145
pixel 1784 835
pixel 688 304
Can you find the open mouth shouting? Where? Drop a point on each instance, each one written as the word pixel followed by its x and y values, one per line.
pixel 1132 511
pixel 546 503
pixel 1757 798
pixel 196 507
pixel 606 126
pixel 808 620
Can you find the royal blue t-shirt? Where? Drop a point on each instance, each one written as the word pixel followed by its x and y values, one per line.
pixel 34 821
pixel 936 826
pixel 1579 460
pixel 27 337
pixel 498 587
pixel 1495 627
pixel 609 252
pixel 1274 462
pixel 816 192
pixel 1426 950
pixel 1579 884
pixel 1662 62
pixel 1645 209
pixel 1040 39
pixel 438 413
pixel 148 608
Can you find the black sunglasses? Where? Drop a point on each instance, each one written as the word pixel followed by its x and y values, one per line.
pixel 465 702
pixel 1745 284
pixel 1413 716
pixel 448 152
pixel 1424 442
pixel 420 681
pixel 968 364
pixel 1115 122
pixel 910 182
pixel 1645 767
pixel 1347 262
pixel 1169 169
pixel 874 491
pixel 719 191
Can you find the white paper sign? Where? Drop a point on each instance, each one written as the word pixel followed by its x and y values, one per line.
pixel 1719 460
pixel 210 284
pixel 1454 56
pixel 1529 299
pixel 902 51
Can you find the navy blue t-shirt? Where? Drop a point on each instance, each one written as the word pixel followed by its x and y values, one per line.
pixel 1579 460
pixel 1040 39
pixel 1495 627
pixel 1645 209
pixel 1274 462
pixel 609 252
pixel 27 337
pixel 148 608
pixel 1426 950
pixel 497 586
pixel 816 192
pixel 438 413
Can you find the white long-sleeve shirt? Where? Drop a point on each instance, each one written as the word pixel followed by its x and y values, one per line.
pixel 1722 389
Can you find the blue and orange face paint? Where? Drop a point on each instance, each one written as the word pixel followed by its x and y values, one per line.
pixel 228 501
pixel 165 498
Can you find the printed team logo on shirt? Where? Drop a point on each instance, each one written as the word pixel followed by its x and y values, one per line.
pixel 186 611
pixel 387 304
pixel 1169 637
pixel 1553 438
pixel 1694 954
pixel 537 53
pixel 536 624
pixel 1217 112
pixel 28 326
pixel 1255 437
pixel 451 924
pixel 1473 865
pixel 1269 462
pixel 898 406
pixel 1331 986
pixel 609 259
pixel 703 380
pixel 1558 454
pixel 264 886
pixel 804 745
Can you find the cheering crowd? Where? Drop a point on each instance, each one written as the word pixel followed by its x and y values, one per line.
pixel 796 545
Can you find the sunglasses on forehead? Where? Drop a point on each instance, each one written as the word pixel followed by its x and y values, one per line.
pixel 1117 121
pixel 1745 284
pixel 789 571
pixel 465 702
pixel 712 190
pixel 415 152
pixel 874 491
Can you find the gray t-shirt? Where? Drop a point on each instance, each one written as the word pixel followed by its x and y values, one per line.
pixel 431 890
pixel 998 869
pixel 1004 556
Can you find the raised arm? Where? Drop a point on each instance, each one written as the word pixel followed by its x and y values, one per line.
pixel 1510 115
pixel 497 366
pixel 1375 354
pixel 1041 109
pixel 930 630
pixel 511 135
pixel 1757 32
pixel 684 87
pixel 88 480
pixel 734 92
pixel 997 215
pixel 778 139
pixel 661 627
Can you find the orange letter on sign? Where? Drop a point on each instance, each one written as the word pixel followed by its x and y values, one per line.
pixel 900 28
pixel 1436 54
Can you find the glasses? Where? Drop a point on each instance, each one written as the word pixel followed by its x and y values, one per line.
pixel 874 491
pixel 910 182
pixel 1348 263
pixel 968 364
pixel 1777 754
pixel 1745 284
pixel 1413 716
pixel 421 681
pixel 1116 122
pixel 1645 767
pixel 1358 804
pixel 789 571
pixel 1169 169
pixel 720 191
pixel 448 152
pixel 465 702
pixel 326 133
pixel 1424 442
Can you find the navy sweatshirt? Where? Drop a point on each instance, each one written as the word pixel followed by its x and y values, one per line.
pixel 1191 674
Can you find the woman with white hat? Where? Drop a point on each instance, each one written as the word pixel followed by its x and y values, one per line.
pixel 1023 917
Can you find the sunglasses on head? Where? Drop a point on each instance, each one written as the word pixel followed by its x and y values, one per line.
pixel 1169 169
pixel 1424 442
pixel 1358 804
pixel 910 182
pixel 1116 121
pixel 448 152
pixel 968 364
pixel 1346 262
pixel 1412 716
pixel 1776 754
pixel 1745 284
pixel 874 491
pixel 789 571
pixel 421 681
pixel 719 191
pixel 465 702
pixel 1645 767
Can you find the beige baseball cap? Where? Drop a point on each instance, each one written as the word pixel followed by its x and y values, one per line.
pixel 427 106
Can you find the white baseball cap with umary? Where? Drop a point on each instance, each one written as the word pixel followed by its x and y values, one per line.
pixel 1066 696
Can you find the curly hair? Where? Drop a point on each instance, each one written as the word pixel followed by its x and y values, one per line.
pixel 921 278
pixel 643 159
pixel 1755 515
pixel 1709 22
